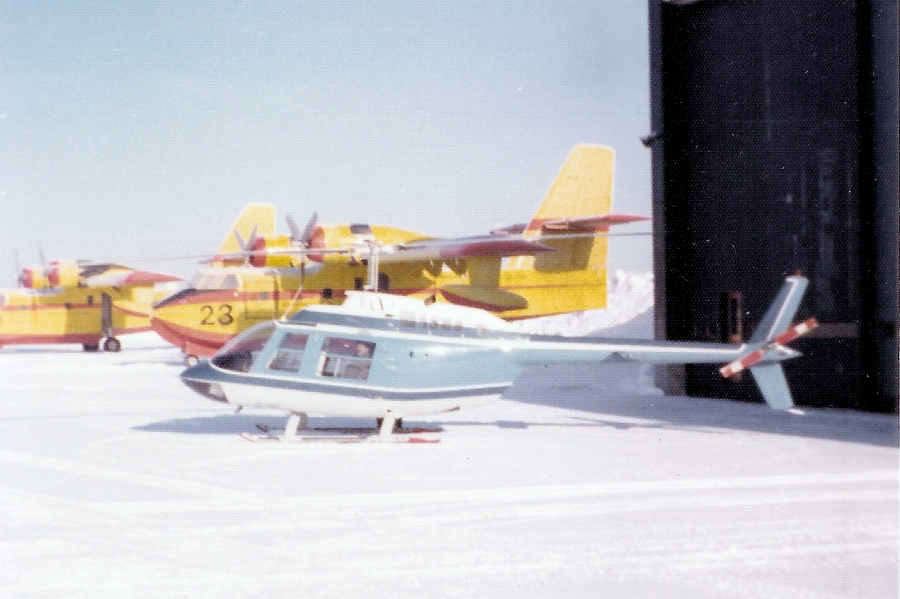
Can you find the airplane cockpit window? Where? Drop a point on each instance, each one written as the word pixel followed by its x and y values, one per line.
pixel 216 281
pixel 289 355
pixel 346 358
pixel 239 354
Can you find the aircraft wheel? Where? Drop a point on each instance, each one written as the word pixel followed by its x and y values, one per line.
pixel 191 360
pixel 90 346
pixel 112 345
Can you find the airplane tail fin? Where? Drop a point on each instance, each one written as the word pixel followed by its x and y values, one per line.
pixel 583 187
pixel 256 220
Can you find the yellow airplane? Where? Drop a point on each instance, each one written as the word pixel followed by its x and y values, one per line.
pixel 80 302
pixel 555 263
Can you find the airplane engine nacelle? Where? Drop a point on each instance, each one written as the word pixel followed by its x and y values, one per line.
pixel 63 275
pixel 34 278
pixel 263 244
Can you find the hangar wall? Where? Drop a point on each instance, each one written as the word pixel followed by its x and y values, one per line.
pixel 775 151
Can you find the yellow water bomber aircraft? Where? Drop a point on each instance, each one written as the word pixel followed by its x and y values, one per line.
pixel 80 302
pixel 555 263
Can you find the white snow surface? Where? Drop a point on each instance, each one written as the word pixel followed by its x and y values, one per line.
pixel 118 481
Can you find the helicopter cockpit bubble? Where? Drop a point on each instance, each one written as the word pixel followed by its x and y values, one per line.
pixel 240 353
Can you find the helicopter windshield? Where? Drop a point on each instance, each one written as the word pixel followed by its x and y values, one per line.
pixel 240 353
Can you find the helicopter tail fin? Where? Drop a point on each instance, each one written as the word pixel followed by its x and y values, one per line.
pixel 782 311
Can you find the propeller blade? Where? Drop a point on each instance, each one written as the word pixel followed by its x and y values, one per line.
pixel 20 277
pixel 302 238
pixel 246 245
pixel 310 228
pixel 296 235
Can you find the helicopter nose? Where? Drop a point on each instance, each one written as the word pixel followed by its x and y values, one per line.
pixel 196 378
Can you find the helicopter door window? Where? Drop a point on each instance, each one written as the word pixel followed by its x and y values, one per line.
pixel 289 355
pixel 346 358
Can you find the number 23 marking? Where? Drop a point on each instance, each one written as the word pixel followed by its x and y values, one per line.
pixel 225 318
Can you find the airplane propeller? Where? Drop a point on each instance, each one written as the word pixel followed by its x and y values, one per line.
pixel 20 276
pixel 304 238
pixel 246 246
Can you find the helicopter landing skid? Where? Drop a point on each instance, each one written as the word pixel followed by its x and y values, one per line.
pixel 343 436
pixel 346 435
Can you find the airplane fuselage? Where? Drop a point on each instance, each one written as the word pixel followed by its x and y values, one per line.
pixel 73 314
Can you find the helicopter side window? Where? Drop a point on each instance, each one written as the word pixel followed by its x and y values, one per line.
pixel 242 351
pixel 289 355
pixel 346 358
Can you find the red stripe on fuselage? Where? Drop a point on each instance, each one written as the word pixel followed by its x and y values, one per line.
pixel 191 341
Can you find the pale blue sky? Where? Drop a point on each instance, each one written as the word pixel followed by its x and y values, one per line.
pixel 132 129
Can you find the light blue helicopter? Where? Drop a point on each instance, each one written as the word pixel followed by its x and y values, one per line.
pixel 388 357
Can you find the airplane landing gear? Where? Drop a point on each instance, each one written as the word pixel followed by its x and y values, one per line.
pixel 110 344
pixel 191 360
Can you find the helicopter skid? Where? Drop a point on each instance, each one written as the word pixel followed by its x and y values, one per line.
pixel 348 435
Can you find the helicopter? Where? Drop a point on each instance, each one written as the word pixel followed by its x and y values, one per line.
pixel 388 357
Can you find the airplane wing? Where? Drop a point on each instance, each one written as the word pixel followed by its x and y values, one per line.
pixel 461 248
pixel 123 276
pixel 421 251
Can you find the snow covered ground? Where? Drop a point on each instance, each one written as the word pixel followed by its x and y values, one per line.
pixel 117 481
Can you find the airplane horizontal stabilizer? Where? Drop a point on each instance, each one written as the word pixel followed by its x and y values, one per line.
pixel 592 223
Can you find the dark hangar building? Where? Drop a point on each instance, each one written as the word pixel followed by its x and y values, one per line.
pixel 774 143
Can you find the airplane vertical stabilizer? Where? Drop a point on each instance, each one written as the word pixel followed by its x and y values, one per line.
pixel 573 277
pixel 582 188
pixel 256 220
